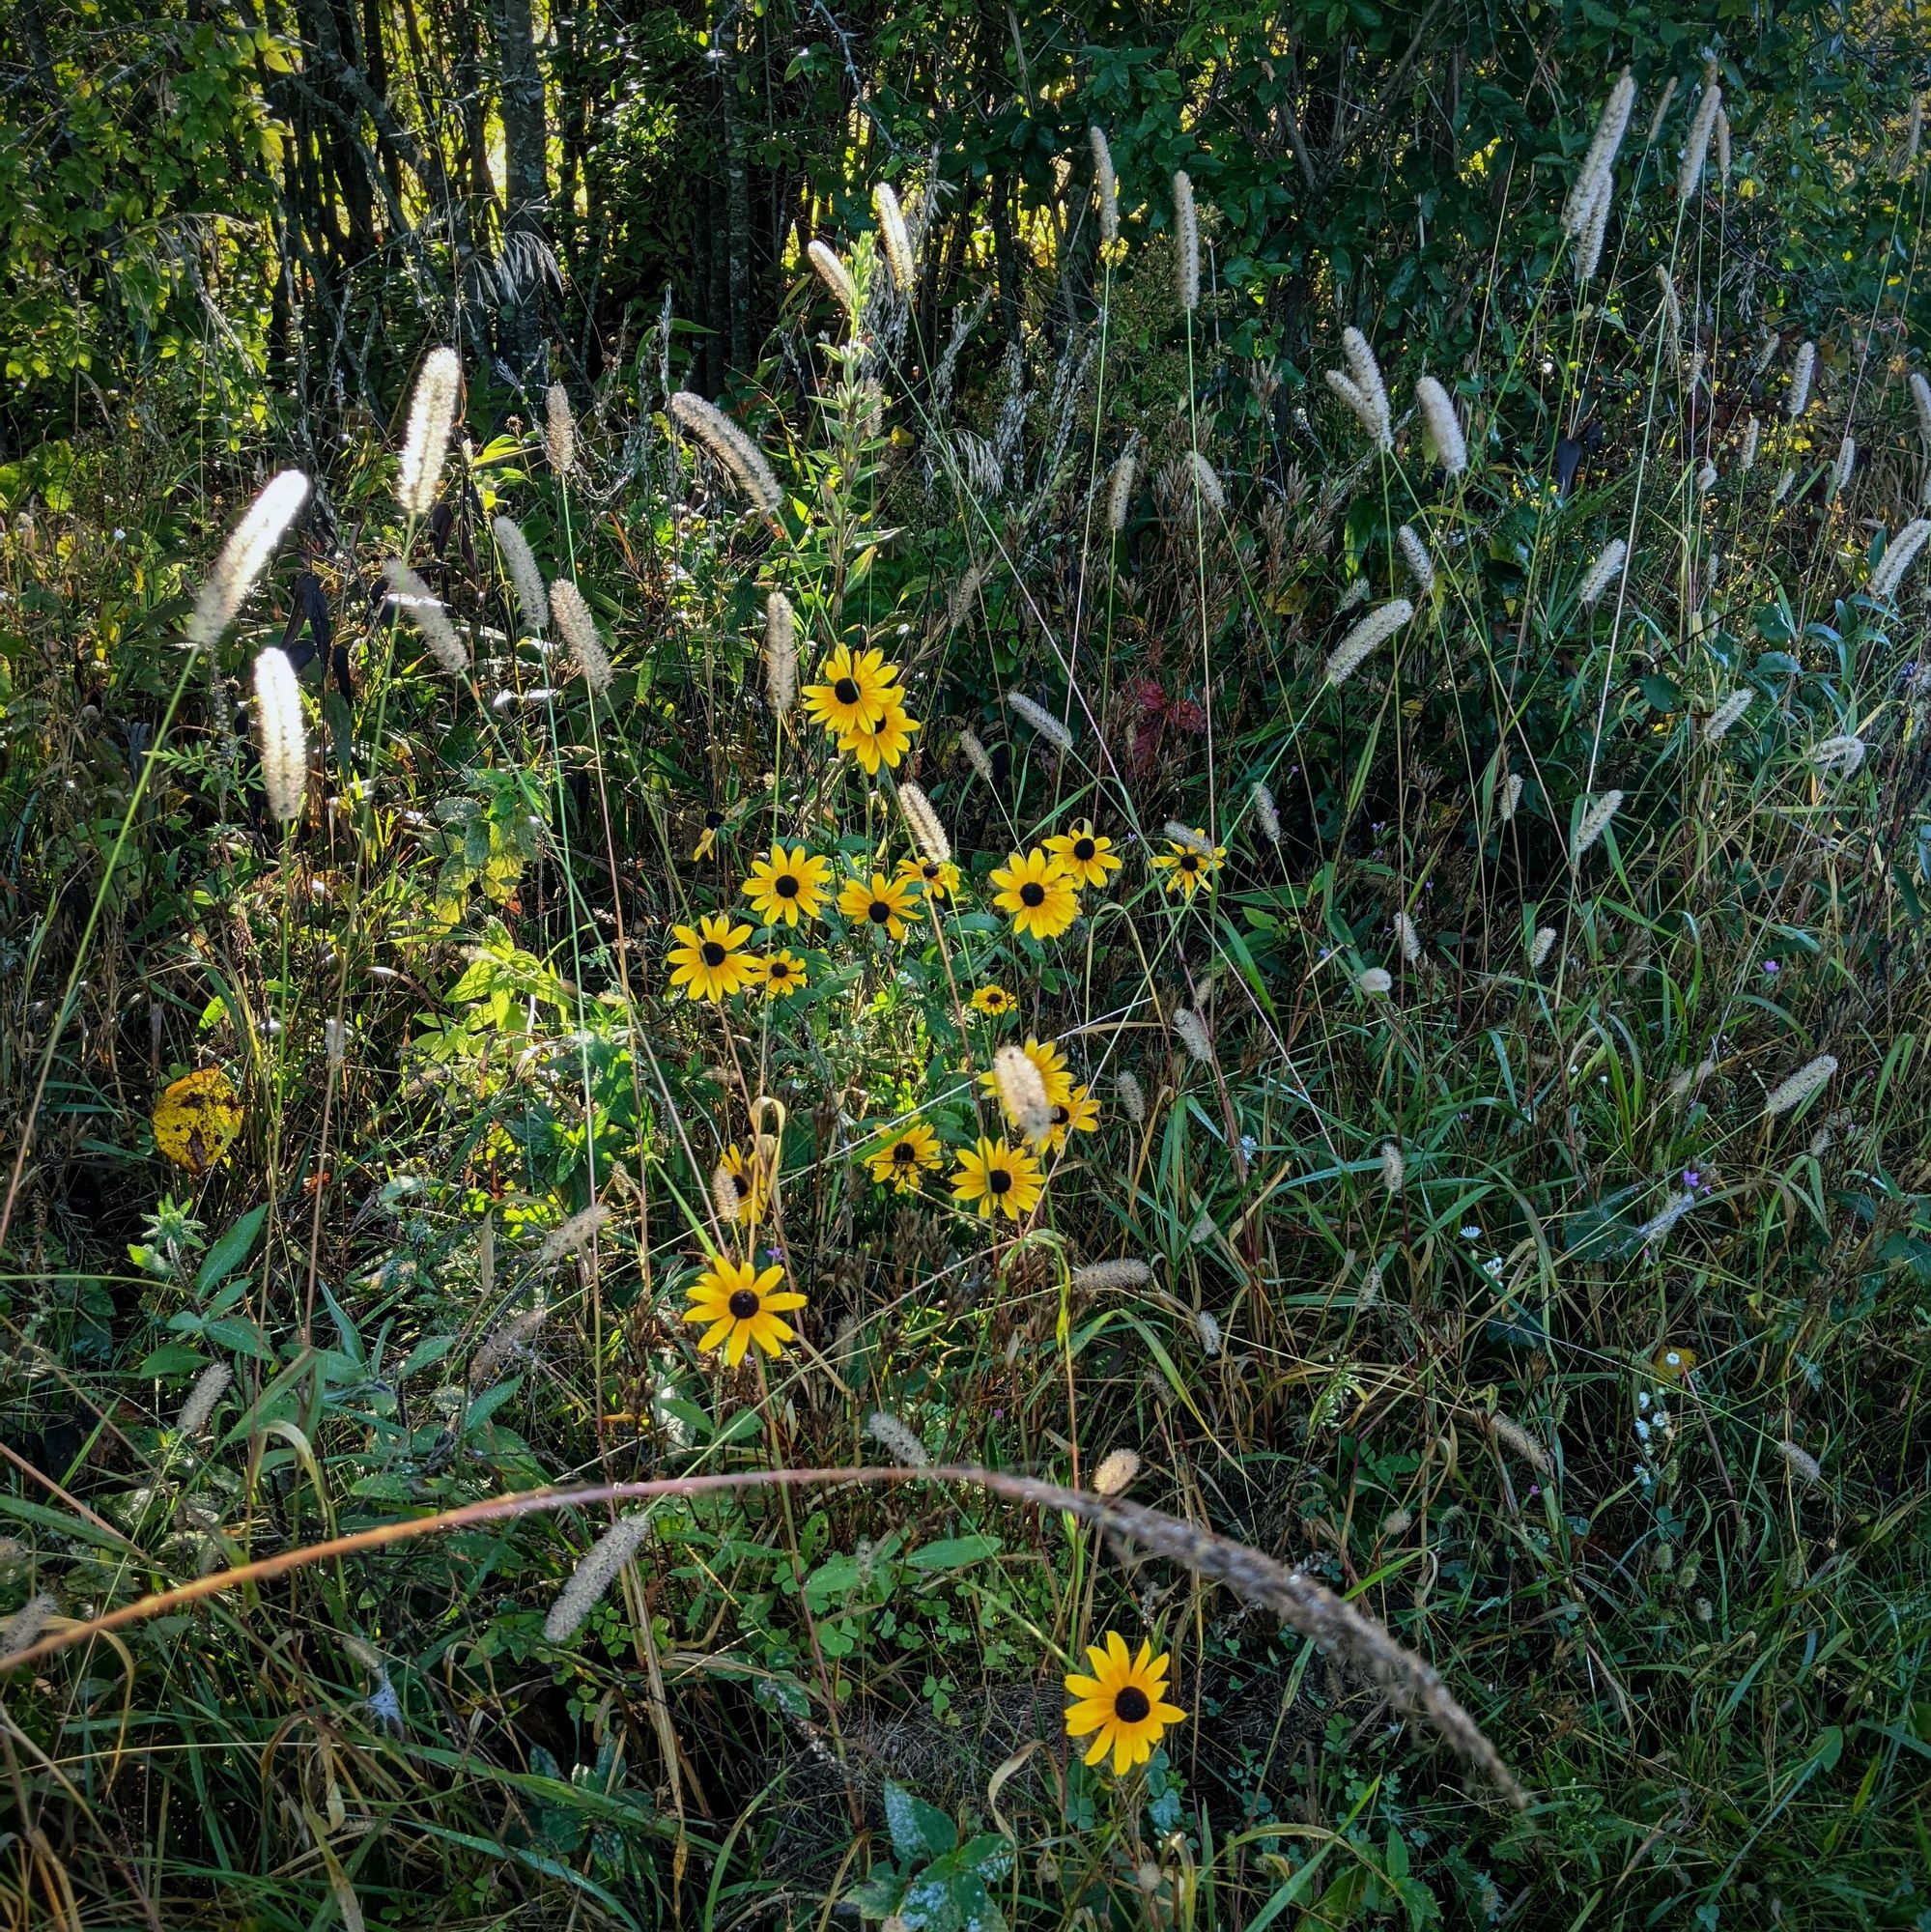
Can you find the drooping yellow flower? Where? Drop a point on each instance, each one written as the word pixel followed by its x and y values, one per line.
pixel 783 973
pixel 995 1001
pixel 885 743
pixel 939 876
pixel 743 1306
pixel 996 1178
pixel 707 965
pixel 1084 855
pixel 789 886
pixel 1122 1706
pixel 898 1162
pixel 1055 1075
pixel 197 1119
pixel 1188 865
pixel 858 689
pixel 1036 892
pixel 1077 1114
pixel 885 902
pixel 751 1179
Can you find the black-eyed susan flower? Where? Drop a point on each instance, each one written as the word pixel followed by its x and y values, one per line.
pixel 1037 894
pixel 996 1178
pixel 1084 855
pixel 749 1180
pixel 1055 1075
pixel 880 901
pixel 783 973
pixel 707 963
pixel 899 1162
pixel 885 743
pixel 994 1000
pixel 940 877
pixel 858 689
pixel 743 1305
pixel 1122 1706
pixel 1077 1114
pixel 1189 865
pixel 787 886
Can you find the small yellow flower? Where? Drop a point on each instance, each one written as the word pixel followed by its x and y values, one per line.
pixel 1037 893
pixel 858 689
pixel 1077 1114
pixel 995 1001
pixel 1674 1362
pixel 939 876
pixel 751 1179
pixel 1189 867
pixel 789 886
pixel 885 902
pixel 897 1163
pixel 1055 1075
pixel 783 973
pixel 1084 854
pixel 742 1306
pixel 995 1178
pixel 1123 1705
pixel 885 743
pixel 707 965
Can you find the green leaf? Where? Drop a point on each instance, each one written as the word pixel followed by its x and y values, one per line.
pixel 173 1358
pixel 231 1250
pixel 954 1552
pixel 918 1830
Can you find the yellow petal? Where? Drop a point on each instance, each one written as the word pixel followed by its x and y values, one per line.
pixel 1084 1687
pixel 1101 1745
pixel 1085 1719
pixel 739 1341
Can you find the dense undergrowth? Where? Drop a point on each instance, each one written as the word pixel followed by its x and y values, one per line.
pixel 1483 1164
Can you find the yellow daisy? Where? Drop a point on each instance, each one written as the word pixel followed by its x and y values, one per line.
pixel 789 886
pixel 1038 893
pixel 1123 1705
pixel 708 965
pixel 939 876
pixel 751 1179
pixel 1077 1114
pixel 885 902
pixel 1189 867
pixel 1055 1075
pixel 994 1000
pixel 858 689
pixel 885 743
pixel 993 1177
pixel 1083 853
pixel 897 1163
pixel 783 973
pixel 742 1306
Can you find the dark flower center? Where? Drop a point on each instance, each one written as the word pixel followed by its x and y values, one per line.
pixel 1033 894
pixel 714 954
pixel 879 911
pixel 904 1153
pixel 1130 1705
pixel 712 820
pixel 742 1182
pixel 1061 1115
pixel 776 971
pixel 1191 863
pixel 930 868
pixel 846 691
pixel 1083 850
pixel 999 1181
pixel 785 886
pixel 744 1305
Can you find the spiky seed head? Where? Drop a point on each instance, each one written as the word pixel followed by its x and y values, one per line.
pixel 425 442
pixel 279 736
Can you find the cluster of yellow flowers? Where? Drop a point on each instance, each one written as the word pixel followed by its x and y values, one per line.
pixel 861 703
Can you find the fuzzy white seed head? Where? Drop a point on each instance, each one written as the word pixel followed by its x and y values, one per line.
pixel 1672 310
pixel 1369 1293
pixel 1366 372
pixel 567 1237
pixel 1102 1277
pixel 976 755
pixel 521 563
pixel 1593 183
pixel 334 1044
pixel 1394 1170
pixel 1132 1098
pixel 730 447
pixel 1595 821
pixel 1752 437
pixel 1207 1325
pixel 1115 1472
pixel 1543 944
pixel 1840 470
pixel 1656 1230
pixel 1726 715
pixel 1594 233
pixel 1706 479
pixel 1443 425
pixel 890 1433
pixel 1192 837
pixel 1722 146
pixel 1374 629
pixel 1800 372
pixel 1355 593
pixel 1508 796
pixel 1841 756
pixel 1207 483
pixel 559 430
pixel 1041 720
pixel 1377 981
pixel 780 652
pixel 425 442
pixel 1921 402
pixel 894 237
pixel 24 1627
pixel 423 608
pixel 1186 242
pixel 1415 559
pixel 1607 569
pixel 594 1575
pixel 1899 554
pixel 580 632
pixel 1191 1032
pixel 1804 1466
pixel 831 271
pixel 1808 1079
pixel 279 735
pixel 1661 113
pixel 207 1391
pixel 1266 815
pixel 1410 936
pixel 727 1202
pixel 1119 490
pixel 1022 1092
pixel 245 556
pixel 1105 187
pixel 926 832
pixel 1696 148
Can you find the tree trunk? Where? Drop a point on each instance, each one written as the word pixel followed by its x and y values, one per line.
pixel 526 191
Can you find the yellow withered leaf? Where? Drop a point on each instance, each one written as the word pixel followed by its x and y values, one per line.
pixel 196 1119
